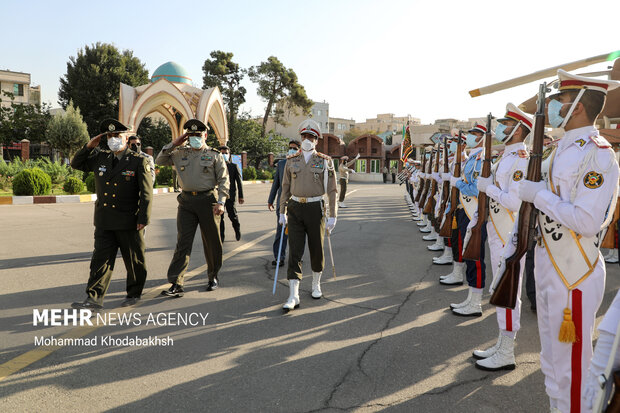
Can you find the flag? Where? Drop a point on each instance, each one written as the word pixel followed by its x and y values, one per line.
pixel 406 148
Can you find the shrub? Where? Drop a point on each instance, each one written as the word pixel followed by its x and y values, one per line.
pixel 90 182
pixel 164 177
pixel 73 185
pixel 263 174
pixel 249 173
pixel 14 167
pixel 32 182
pixel 55 170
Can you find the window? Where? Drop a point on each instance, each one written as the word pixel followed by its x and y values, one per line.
pixel 374 165
pixel 393 164
pixel 336 163
pixel 360 165
pixel 318 112
pixel 373 150
pixel 18 89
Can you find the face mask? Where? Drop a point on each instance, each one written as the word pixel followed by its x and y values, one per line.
pixel 500 133
pixel 226 157
pixel 427 156
pixel 115 143
pixel 195 142
pixel 292 151
pixel 554 108
pixel 471 140
pixel 307 145
pixel 452 148
pixel 135 147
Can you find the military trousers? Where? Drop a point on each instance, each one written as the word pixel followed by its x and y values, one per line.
pixel 107 244
pixel 194 211
pixel 305 220
pixel 343 189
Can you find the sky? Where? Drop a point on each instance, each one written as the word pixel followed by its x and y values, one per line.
pixel 362 57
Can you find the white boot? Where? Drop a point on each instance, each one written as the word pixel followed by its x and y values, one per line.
pixel 444 259
pixel 342 205
pixel 456 276
pixel 438 245
pixel 612 257
pixel 428 227
pixel 502 359
pixel 293 298
pixel 473 307
pixel 483 354
pixel 423 222
pixel 432 236
pixel 464 303
pixel 316 285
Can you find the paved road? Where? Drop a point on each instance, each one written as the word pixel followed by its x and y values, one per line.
pixel 381 339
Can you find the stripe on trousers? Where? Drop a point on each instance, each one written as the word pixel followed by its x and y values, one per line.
pixel 508 319
pixel 575 380
pixel 478 274
pixel 460 247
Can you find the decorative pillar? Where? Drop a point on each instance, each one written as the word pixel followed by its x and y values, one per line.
pixel 244 159
pixel 25 149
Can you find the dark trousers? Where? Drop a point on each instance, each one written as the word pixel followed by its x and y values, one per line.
pixel 457 245
pixel 475 270
pixel 232 215
pixel 343 190
pixel 530 284
pixel 107 243
pixel 194 210
pixel 384 178
pixel 393 178
pixel 276 241
pixel 305 220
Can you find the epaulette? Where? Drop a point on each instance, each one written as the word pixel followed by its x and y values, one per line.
pixel 215 150
pixel 293 155
pixel 322 155
pixel 600 141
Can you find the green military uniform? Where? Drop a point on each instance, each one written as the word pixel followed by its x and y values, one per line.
pixel 124 188
pixel 201 172
pixel 343 172
pixel 303 180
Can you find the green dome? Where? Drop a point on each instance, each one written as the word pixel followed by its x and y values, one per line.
pixel 173 72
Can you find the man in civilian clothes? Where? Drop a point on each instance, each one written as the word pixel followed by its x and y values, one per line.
pixel 234 175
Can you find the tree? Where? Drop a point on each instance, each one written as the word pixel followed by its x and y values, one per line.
pixel 154 133
pixel 93 80
pixel 250 139
pixel 222 72
pixel 278 86
pixel 67 132
pixel 23 121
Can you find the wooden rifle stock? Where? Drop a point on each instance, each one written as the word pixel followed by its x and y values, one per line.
pixel 474 246
pixel 505 293
pixel 422 180
pixel 446 229
pixel 427 183
pixel 445 186
pixel 430 201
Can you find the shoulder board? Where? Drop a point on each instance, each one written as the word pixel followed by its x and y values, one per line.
pixel 215 150
pixel 600 141
pixel 322 155
pixel 293 155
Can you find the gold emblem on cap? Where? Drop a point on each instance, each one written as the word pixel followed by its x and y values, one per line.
pixel 111 127
pixel 194 127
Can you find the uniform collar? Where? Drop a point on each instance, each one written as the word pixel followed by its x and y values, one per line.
pixel 514 147
pixel 572 135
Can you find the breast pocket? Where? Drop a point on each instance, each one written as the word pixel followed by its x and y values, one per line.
pixel 182 165
pixel 206 165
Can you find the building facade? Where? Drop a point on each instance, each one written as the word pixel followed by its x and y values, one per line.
pixel 293 117
pixel 18 84
pixel 340 126
pixel 387 122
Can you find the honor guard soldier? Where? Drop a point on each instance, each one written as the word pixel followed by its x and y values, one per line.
pixel 124 189
pixel 474 270
pixel 504 203
pixel 234 176
pixel 344 169
pixel 202 172
pixel 576 200
pixel 308 176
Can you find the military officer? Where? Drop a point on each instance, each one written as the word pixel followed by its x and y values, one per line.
pixel 344 169
pixel 202 172
pixel 308 176
pixel 576 198
pixel 234 176
pixel 504 203
pixel 124 192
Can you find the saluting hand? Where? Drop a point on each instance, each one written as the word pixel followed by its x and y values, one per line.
pixel 94 142
pixel 179 141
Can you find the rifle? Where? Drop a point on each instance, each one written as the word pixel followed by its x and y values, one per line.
pixel 472 250
pixel 430 201
pixel 445 186
pixel 446 228
pixel 422 180
pixel 505 292
pixel 427 182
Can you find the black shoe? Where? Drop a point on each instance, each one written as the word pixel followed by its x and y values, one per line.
pixel 238 233
pixel 87 305
pixel 175 290
pixel 274 263
pixel 533 308
pixel 129 301
pixel 212 285
pixel 222 237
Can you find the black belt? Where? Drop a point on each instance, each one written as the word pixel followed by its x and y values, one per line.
pixel 194 193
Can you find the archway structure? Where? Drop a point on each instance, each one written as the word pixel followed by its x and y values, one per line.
pixel 171 95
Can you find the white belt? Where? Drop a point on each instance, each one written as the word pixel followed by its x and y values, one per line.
pixel 303 200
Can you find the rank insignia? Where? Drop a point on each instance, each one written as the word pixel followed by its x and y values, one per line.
pixel 102 168
pixel 593 180
pixel 580 142
pixel 517 176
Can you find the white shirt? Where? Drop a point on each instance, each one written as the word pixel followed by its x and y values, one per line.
pixel 511 170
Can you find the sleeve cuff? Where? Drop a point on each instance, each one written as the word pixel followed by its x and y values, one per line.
pixel 544 199
pixel 493 192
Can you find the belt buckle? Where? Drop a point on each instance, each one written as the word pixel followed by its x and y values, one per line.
pixel 303 200
pixel 194 193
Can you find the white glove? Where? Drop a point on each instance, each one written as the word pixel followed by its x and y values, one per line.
pixel 283 219
pixel 484 183
pixel 445 176
pixel 453 181
pixel 528 189
pixel 435 176
pixel 331 223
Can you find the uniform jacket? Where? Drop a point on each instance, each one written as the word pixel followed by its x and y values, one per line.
pixel 124 192
pixel 276 185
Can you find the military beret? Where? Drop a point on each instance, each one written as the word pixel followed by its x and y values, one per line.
pixel 111 125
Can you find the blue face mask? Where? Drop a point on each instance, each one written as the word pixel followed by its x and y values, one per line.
pixel 428 156
pixel 452 147
pixel 195 142
pixel 292 151
pixel 470 139
pixel 553 110
pixel 500 132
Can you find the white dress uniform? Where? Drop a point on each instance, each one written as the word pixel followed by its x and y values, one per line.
pixel 582 187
